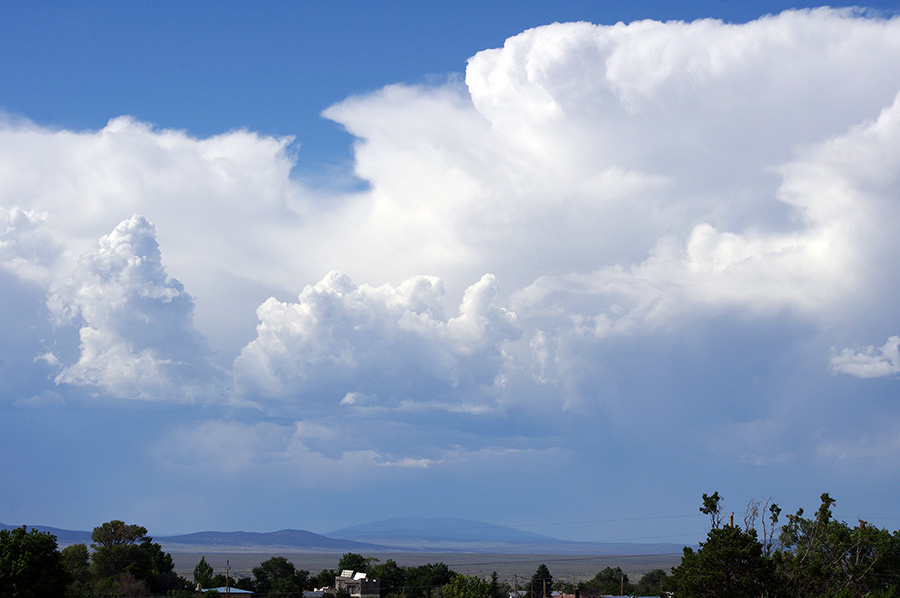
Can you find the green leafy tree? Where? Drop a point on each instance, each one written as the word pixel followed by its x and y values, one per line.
pixel 823 557
pixel 652 583
pixel 563 587
pixel 117 533
pixel 125 556
pixel 712 506
pixel 608 581
pixel 467 586
pixel 426 581
pixel 117 548
pixel 279 576
pixel 241 583
pixel 76 561
pixel 323 579
pixel 30 565
pixel 124 584
pixel 541 583
pixel 730 563
pixel 391 576
pixel 355 562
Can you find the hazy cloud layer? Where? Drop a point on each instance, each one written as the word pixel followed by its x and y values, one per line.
pixel 674 227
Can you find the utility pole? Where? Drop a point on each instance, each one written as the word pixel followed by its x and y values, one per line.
pixel 227 577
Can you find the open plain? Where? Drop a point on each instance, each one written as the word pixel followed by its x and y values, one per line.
pixel 509 567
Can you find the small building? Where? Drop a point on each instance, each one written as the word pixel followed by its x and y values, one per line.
pixel 358 585
pixel 229 591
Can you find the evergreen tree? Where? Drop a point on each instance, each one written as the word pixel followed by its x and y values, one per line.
pixel 203 574
pixel 541 583
pixel 730 563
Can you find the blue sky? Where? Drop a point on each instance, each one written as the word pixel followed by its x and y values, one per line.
pixel 565 266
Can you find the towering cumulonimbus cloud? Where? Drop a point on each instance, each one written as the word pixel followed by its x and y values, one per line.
pixel 134 322
pixel 647 254
pixel 691 220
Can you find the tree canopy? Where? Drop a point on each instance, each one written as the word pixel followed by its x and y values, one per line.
pixel 125 557
pixel 814 557
pixel 278 575
pixel 116 533
pixel 821 556
pixel 607 581
pixel 729 563
pixel 355 562
pixel 30 564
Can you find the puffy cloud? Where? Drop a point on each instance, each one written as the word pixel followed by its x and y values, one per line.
pixel 612 137
pixel 685 217
pixel 222 205
pixel 679 107
pixel 870 362
pixel 379 347
pixel 135 323
pixel 636 183
pixel 832 256
pixel 573 149
pixel 26 248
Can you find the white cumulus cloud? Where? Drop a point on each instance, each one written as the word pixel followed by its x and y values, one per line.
pixel 632 186
pixel 379 346
pixel 869 362
pixel 135 323
pixel 27 248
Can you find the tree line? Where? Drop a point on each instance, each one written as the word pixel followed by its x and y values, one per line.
pixel 124 561
pixel 803 557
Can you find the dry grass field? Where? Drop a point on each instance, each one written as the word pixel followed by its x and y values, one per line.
pixel 508 566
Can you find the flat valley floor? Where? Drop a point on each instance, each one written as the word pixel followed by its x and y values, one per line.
pixel 509 567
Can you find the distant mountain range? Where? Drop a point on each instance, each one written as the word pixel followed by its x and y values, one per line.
pixel 406 534
pixel 64 537
pixel 287 540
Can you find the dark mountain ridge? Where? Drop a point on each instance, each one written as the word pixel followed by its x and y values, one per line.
pixel 404 534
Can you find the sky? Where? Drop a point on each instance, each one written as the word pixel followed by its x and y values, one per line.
pixel 562 266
